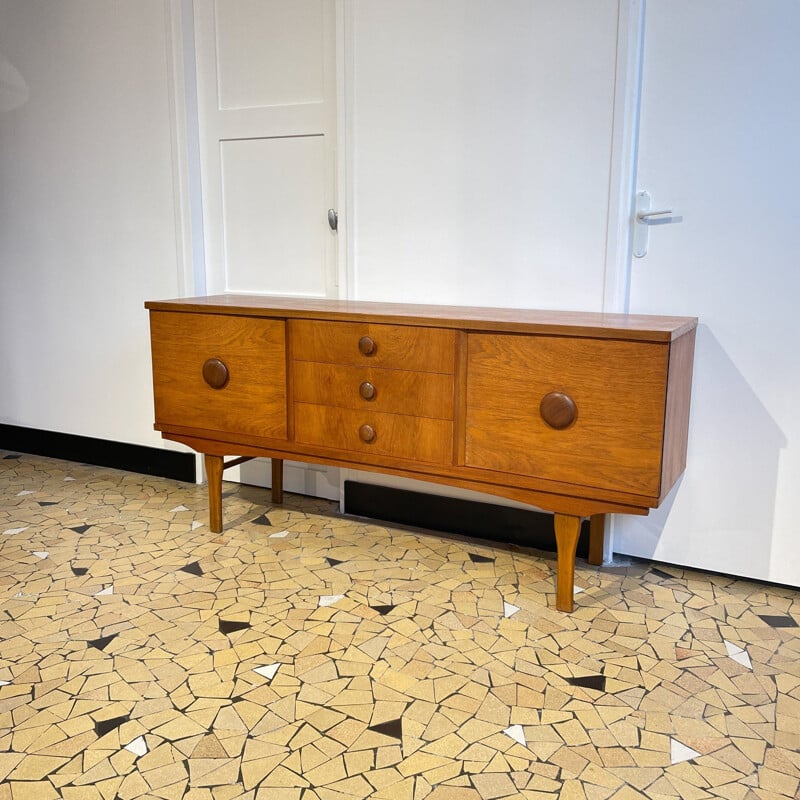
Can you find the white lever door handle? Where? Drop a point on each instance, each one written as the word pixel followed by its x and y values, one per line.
pixel 644 219
pixel 657 217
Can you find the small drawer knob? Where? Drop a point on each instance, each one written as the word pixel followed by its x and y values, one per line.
pixel 215 373
pixel 367 346
pixel 367 434
pixel 367 390
pixel 558 410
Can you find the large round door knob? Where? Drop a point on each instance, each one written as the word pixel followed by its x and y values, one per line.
pixel 367 346
pixel 367 434
pixel 367 391
pixel 558 410
pixel 215 373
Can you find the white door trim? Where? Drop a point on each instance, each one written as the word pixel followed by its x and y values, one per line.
pixel 176 97
pixel 345 162
pixel 624 146
pixel 187 203
pixel 345 167
pixel 622 179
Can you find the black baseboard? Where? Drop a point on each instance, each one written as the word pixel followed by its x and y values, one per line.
pixel 100 452
pixel 451 515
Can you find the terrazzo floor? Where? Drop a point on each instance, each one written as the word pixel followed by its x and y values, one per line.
pixel 302 655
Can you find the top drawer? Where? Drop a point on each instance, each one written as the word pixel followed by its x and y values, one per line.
pixel 364 344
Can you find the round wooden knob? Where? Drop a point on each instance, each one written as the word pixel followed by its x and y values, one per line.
pixel 558 410
pixel 367 390
pixel 367 434
pixel 215 373
pixel 367 346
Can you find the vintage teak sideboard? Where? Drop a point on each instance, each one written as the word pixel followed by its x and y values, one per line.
pixel 580 414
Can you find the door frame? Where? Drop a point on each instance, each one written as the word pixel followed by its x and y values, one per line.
pixel 622 178
pixel 345 158
pixel 182 101
pixel 185 146
pixel 624 154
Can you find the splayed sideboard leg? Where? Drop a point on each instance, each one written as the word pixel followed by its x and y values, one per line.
pixel 568 530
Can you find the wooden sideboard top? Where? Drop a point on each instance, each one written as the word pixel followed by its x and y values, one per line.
pixel 636 327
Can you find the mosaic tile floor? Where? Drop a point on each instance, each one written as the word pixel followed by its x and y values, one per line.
pixel 300 655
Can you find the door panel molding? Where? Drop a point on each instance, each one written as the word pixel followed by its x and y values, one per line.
pixel 261 109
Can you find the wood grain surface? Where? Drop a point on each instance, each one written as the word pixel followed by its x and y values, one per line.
pixel 421 394
pixel 639 327
pixel 253 400
pixel 403 347
pixel 619 393
pixel 398 436
pixel 676 423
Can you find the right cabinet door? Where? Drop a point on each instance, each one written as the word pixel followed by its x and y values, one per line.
pixel 615 391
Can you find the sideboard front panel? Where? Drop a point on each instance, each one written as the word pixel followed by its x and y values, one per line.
pixel 618 389
pixel 252 401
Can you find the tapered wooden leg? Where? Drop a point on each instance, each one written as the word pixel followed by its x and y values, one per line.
pixel 214 475
pixel 277 480
pixel 597 533
pixel 568 529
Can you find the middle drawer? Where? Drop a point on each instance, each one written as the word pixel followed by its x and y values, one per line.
pixel 420 394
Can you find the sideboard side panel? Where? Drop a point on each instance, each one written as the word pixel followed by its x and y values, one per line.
pixel 676 420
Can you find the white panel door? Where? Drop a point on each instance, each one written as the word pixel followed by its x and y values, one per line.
pixel 267 125
pixel 271 190
pixel 719 133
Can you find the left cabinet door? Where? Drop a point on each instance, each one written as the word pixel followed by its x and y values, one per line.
pixel 249 399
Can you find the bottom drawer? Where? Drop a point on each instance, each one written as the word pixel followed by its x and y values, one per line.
pixel 396 435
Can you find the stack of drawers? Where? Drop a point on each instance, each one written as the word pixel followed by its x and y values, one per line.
pixel 386 390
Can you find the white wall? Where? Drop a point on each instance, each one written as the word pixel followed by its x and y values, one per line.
pixel 481 138
pixel 87 216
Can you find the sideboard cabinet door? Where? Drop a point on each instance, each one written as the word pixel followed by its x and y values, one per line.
pixel 575 410
pixel 219 373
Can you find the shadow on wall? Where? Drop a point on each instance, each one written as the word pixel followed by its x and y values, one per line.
pixel 14 91
pixel 719 515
